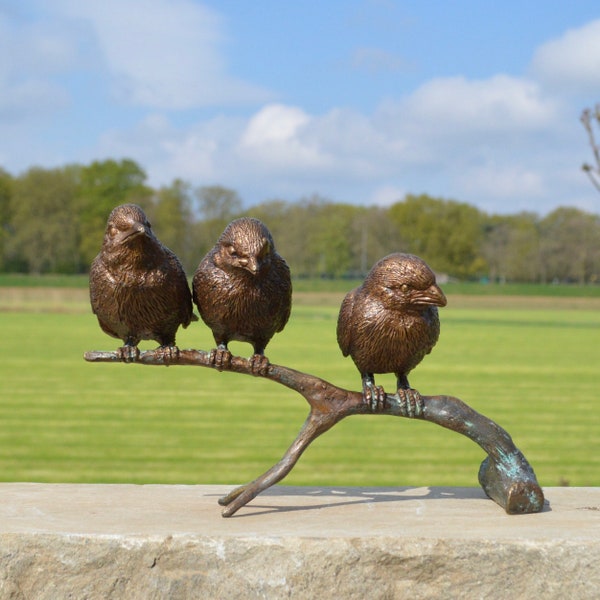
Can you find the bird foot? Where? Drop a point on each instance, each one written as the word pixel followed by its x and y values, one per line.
pixel 167 354
pixel 220 357
pixel 128 353
pixel 410 402
pixel 374 396
pixel 259 364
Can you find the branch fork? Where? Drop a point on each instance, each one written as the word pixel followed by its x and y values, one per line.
pixel 505 475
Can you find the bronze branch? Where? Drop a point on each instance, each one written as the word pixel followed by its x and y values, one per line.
pixel 505 475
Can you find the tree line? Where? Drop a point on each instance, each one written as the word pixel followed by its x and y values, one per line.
pixel 53 221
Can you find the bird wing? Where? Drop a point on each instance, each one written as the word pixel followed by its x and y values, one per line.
pixel 209 286
pixel 183 293
pixel 99 279
pixel 204 281
pixel 344 324
pixel 101 290
pixel 284 292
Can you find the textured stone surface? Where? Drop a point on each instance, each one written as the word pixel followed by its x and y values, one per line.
pixel 126 541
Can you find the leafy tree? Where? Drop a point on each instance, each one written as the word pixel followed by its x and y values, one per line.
pixel 102 186
pixel 445 233
pixel 296 243
pixel 312 234
pixel 374 235
pixel 173 223
pixel 42 216
pixel 511 247
pixel 316 237
pixel 217 203
pixel 216 206
pixel 288 223
pixel 571 245
pixel 331 239
pixel 52 220
pixel 495 245
pixel 275 214
pixel 5 218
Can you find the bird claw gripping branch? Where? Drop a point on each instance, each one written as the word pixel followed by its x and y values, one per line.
pixel 410 402
pixel 374 396
pixel 169 354
pixel 259 364
pixel 220 357
pixel 128 353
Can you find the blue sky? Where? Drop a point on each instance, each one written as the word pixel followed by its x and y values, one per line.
pixel 359 101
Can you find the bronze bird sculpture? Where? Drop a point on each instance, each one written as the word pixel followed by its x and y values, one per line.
pixel 243 290
pixel 390 322
pixel 138 288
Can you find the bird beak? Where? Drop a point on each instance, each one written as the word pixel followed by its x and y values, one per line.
pixel 135 230
pixel 252 265
pixel 433 296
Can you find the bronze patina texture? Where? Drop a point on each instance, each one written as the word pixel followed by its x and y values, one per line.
pixel 243 289
pixel 390 322
pixel 138 288
pixel 505 474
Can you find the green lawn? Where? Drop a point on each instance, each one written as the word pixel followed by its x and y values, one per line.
pixel 533 368
pixel 338 286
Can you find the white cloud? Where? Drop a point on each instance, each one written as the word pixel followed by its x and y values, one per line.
pixel 164 54
pixel 497 104
pixel 496 142
pixel 274 124
pixel 408 145
pixel 275 138
pixel 501 140
pixel 359 145
pixel 286 141
pixel 570 62
pixel 501 181
pixel 200 153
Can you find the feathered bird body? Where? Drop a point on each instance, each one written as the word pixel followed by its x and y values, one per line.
pixel 390 322
pixel 138 288
pixel 384 340
pixel 242 287
pixel 239 306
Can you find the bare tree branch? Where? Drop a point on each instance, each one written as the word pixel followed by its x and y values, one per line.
pixel 587 118
pixel 505 475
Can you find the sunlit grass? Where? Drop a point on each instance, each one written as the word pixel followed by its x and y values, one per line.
pixel 533 370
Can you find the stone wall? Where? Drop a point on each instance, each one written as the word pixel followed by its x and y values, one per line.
pixel 126 541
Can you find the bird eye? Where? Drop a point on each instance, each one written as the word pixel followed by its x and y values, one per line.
pixel 404 288
pixel 232 251
pixel 112 231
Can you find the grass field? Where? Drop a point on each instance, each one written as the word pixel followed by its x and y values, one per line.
pixel 529 363
pixel 20 280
